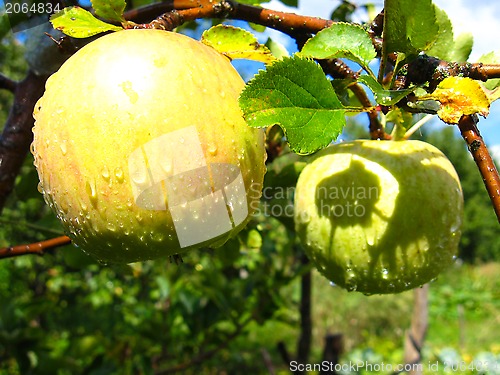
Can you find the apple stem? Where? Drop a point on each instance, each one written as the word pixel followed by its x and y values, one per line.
pixel 483 159
pixel 418 125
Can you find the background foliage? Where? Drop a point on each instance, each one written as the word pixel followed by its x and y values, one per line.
pixel 225 311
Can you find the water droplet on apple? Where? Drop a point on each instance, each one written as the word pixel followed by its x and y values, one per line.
pixel 105 173
pixel 385 273
pixel 140 176
pixel 64 148
pixel 119 174
pixel 371 235
pixel 212 149
pixel 91 192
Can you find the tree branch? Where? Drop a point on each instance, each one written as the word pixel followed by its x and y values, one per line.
pixel 7 84
pixel 338 69
pixel 38 248
pixel 289 23
pixel 482 157
pixel 17 135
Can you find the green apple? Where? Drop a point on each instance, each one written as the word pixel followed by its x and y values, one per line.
pixel 142 150
pixel 379 216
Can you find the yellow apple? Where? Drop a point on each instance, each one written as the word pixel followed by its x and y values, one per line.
pixel 379 216
pixel 141 148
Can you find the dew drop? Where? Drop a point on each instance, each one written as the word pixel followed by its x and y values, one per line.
pixel 385 273
pixel 40 188
pixel 119 174
pixel 64 148
pixel 91 192
pixel 212 149
pixel 105 173
pixel 370 236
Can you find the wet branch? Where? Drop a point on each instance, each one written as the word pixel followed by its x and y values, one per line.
pixel 483 159
pixel 432 70
pixel 289 23
pixel 7 84
pixel 38 248
pixel 17 135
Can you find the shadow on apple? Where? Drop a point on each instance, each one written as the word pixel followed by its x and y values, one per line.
pixel 394 218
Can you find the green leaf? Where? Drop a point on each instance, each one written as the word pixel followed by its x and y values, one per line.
pixel 295 94
pixel 383 96
pixel 341 40
pixel 446 47
pixel 111 9
pixel 442 47
pixel 277 49
pixel 79 23
pixel 236 43
pixel 409 26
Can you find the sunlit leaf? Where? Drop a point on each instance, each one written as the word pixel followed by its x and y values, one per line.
pixel 236 43
pixel 409 26
pixel 341 40
pixel 459 96
pixel 277 49
pixel 446 47
pixel 79 23
pixel 295 94
pixel 110 9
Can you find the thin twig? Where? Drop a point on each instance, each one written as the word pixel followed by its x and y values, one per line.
pixel 482 157
pixel 38 248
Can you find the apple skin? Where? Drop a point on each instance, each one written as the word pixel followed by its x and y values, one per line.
pixel 112 98
pixel 379 216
